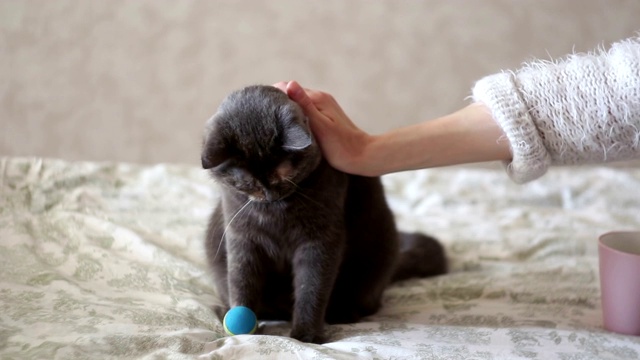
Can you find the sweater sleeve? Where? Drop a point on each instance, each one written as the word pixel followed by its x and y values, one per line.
pixel 579 110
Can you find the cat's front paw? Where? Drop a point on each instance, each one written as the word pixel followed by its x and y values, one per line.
pixel 308 335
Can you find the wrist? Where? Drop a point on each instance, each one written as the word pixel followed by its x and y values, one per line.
pixel 372 159
pixel 389 152
pixel 361 158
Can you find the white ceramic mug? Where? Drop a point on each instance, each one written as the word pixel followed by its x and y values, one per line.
pixel 619 254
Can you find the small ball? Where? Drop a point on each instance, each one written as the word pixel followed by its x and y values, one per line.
pixel 240 320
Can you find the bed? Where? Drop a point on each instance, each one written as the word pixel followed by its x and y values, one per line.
pixel 105 261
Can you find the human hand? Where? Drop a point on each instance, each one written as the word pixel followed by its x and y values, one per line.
pixel 468 135
pixel 343 144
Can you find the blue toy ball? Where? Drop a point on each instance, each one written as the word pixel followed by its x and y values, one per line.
pixel 240 320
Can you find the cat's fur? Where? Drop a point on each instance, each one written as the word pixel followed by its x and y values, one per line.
pixel 292 238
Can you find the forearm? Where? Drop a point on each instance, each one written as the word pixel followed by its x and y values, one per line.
pixel 469 135
pixel 582 109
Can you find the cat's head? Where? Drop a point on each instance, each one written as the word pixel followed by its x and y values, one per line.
pixel 258 143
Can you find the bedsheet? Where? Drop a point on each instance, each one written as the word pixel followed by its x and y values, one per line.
pixel 105 260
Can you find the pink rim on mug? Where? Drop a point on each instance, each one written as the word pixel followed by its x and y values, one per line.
pixel 619 258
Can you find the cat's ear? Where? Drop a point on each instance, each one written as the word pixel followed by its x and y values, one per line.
pixel 214 153
pixel 296 137
pixel 211 159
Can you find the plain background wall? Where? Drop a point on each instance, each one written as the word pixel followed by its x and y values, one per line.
pixel 136 80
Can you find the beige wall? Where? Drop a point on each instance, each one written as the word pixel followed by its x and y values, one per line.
pixel 135 80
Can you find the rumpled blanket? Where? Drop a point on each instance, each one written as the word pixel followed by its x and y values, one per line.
pixel 106 261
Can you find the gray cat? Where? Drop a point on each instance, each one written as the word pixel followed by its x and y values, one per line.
pixel 293 238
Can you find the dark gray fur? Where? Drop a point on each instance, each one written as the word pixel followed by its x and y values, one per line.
pixel 292 238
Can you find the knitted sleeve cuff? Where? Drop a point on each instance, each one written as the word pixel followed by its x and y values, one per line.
pixel 500 94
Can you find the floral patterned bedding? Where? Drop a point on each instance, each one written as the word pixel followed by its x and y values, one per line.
pixel 105 260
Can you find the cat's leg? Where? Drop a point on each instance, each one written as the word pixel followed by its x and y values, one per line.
pixel 245 273
pixel 221 283
pixel 315 266
pixel 217 258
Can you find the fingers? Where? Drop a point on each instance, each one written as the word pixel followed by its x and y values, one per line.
pixel 299 95
pixel 311 102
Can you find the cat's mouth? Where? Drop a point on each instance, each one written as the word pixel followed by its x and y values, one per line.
pixel 268 197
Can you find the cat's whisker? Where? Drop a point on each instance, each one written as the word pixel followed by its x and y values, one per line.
pixel 229 224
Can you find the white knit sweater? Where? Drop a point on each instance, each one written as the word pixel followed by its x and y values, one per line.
pixel 582 109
